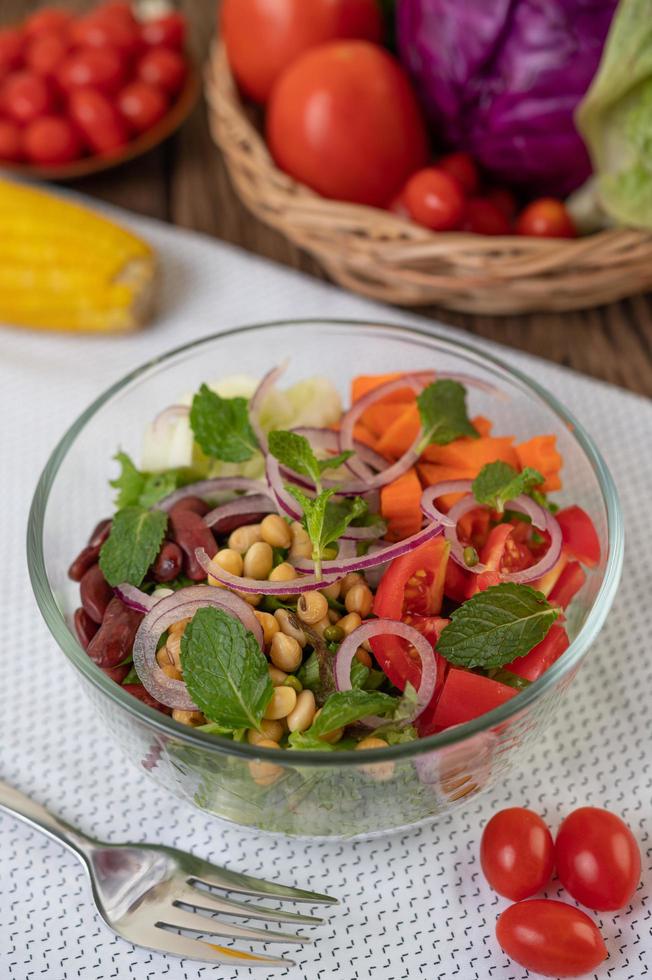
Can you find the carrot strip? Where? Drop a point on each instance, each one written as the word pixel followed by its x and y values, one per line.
pixel 473 454
pixel 541 453
pixel 400 505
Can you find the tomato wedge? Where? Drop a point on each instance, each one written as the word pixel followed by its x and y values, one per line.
pixel 567 585
pixel 464 696
pixel 579 534
pixel 543 655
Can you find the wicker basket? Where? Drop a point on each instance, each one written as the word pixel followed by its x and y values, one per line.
pixel 391 259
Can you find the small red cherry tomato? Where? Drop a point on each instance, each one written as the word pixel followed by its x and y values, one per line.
pixel 98 29
pixel 11 147
pixel 46 20
pixel 504 201
pixel 45 52
pixel 516 853
pixel 25 96
pixel 141 105
pixel 98 68
pixel 51 140
pixel 165 32
pixel 552 938
pixel 546 218
pixel 12 44
pixel 98 119
pixel 117 10
pixel 598 860
pixel 163 68
pixel 579 534
pixel 434 199
pixel 463 168
pixel 483 217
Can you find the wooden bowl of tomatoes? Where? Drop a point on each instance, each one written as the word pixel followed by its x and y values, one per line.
pixel 79 94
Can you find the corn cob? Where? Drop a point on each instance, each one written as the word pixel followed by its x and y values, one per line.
pixel 63 267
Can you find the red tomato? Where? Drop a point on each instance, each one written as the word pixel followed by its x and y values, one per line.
pixel 484 217
pixel 551 938
pixel 12 43
pixel 99 30
pixel 25 96
pixel 344 120
pixel 117 10
pixel 579 534
pixel 163 68
pixel 516 853
pixel 567 585
pixel 504 201
pixel 598 860
pixel 98 120
pixel 546 218
pixel 463 168
pixel 11 147
pixel 46 20
pixel 98 68
pixel 51 140
pixel 543 655
pixel 434 199
pixel 142 105
pixel 413 584
pixel 262 38
pixel 458 583
pixel 45 52
pixel 165 32
pixel 466 696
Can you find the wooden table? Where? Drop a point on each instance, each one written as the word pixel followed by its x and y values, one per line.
pixel 185 182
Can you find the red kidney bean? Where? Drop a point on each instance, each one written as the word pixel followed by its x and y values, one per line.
pixel 89 555
pixel 228 524
pixel 195 504
pixel 101 533
pixel 114 640
pixel 168 562
pixel 190 532
pixel 138 691
pixel 117 674
pixel 95 593
pixel 85 628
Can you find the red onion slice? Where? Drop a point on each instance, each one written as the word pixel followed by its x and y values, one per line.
pixel 228 516
pixel 171 609
pixel 253 586
pixel 257 400
pixel 329 441
pixel 285 500
pixel 134 598
pixel 212 488
pixel 339 567
pixel 383 627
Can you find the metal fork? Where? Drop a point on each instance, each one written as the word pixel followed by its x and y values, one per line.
pixel 139 890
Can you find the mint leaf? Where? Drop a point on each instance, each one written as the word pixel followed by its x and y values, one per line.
pixel 498 482
pixel 138 489
pixel 442 407
pixel 132 677
pixel 133 544
pixel 221 426
pixel 496 626
pixel 225 670
pixel 156 487
pixel 345 707
pixel 296 453
pixel 326 520
pixel 504 676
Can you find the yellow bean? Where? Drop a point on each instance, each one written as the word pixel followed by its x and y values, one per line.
pixel 283 703
pixel 275 531
pixel 243 537
pixel 302 716
pixel 285 653
pixel 258 561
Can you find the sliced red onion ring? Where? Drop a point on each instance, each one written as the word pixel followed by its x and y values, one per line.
pixel 134 598
pixel 383 627
pixel 171 414
pixel 212 488
pixel 228 516
pixel 285 500
pixel 339 567
pixel 430 494
pixel 329 441
pixel 252 586
pixel 171 609
pixel 257 400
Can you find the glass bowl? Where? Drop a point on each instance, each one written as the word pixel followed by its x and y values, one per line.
pixel 303 793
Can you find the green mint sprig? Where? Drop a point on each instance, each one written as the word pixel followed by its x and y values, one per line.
pixel 221 426
pixel 326 520
pixel 442 409
pixel 295 452
pixel 137 488
pixel 498 482
pixel 341 709
pixel 133 544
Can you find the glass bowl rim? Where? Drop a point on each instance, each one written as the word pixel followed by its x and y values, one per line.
pixel 165 725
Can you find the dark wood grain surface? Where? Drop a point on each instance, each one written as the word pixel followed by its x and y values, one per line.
pixel 185 182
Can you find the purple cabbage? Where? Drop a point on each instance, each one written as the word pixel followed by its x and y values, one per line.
pixel 502 78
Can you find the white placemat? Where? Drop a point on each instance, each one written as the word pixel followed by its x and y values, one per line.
pixel 413 905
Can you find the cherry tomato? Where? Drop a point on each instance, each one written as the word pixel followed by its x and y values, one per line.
pixel 117 10
pixel 263 38
pixel 434 199
pixel 551 938
pixel 141 105
pixel 484 217
pixel 98 119
pixel 579 534
pixel 163 68
pixel 546 218
pixel 11 147
pixel 51 140
pixel 46 20
pixel 463 168
pixel 12 44
pixel 344 120
pixel 45 52
pixel 97 30
pixel 98 68
pixel 504 201
pixel 165 32
pixel 516 853
pixel 597 857
pixel 25 96
pixel 543 655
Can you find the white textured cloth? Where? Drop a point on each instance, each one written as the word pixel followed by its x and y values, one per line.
pixel 413 905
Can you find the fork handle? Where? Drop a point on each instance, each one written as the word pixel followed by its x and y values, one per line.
pixel 18 805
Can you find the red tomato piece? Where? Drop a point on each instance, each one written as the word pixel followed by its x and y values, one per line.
pixel 579 534
pixel 568 585
pixel 52 140
pixel 463 168
pixel 97 30
pixel 46 20
pixel 458 584
pixel 98 68
pixel 466 696
pixel 598 859
pixel 517 853
pixel 142 105
pixel 504 201
pixel 344 120
pixel 263 39
pixel 98 119
pixel 484 217
pixel 165 32
pixel 546 218
pixel 25 96
pixel 551 938
pixel 12 45
pixel 45 52
pixel 163 68
pixel 543 655
pixel 435 199
pixel 11 146
pixel 117 10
